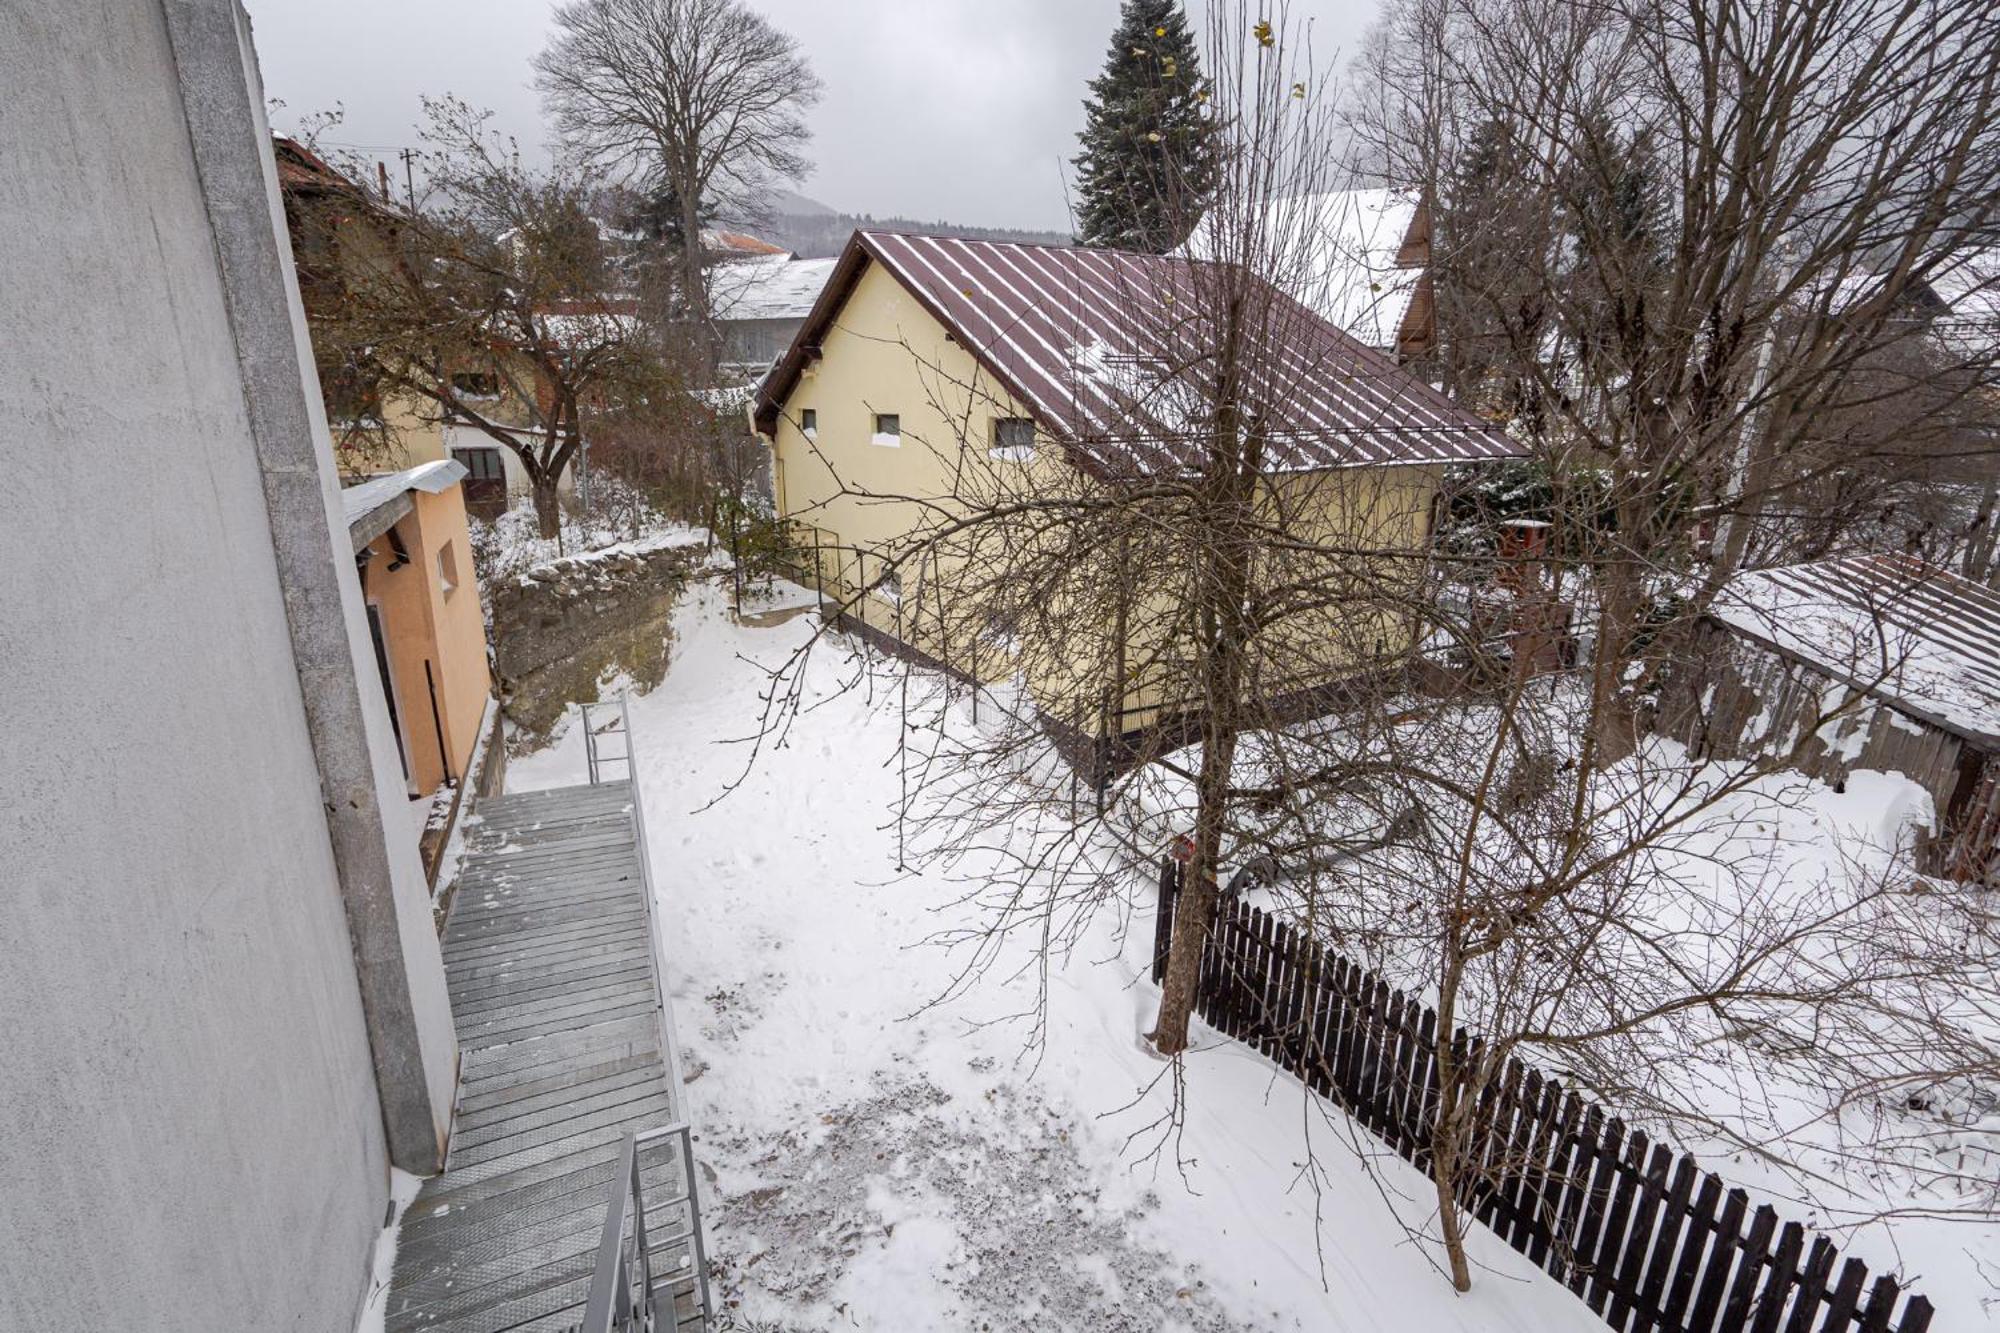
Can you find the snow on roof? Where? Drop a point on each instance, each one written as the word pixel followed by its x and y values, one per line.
pixel 1921 639
pixel 364 498
pixel 768 287
pixel 1970 289
pixel 1340 253
pixel 736 242
pixel 1109 350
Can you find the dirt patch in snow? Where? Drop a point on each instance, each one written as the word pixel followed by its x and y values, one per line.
pixel 989 1207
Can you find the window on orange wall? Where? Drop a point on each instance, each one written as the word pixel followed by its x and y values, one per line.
pixel 448 568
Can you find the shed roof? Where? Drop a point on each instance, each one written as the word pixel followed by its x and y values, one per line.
pixel 365 504
pixel 1921 639
pixel 1110 350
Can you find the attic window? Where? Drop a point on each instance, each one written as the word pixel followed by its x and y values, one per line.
pixel 890 588
pixel 809 421
pixel 888 430
pixel 1013 440
pixel 475 384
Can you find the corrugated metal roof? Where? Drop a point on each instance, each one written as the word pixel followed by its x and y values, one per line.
pixel 362 498
pixel 1918 637
pixel 1110 350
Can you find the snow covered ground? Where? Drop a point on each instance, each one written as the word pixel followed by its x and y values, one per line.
pixel 880 1162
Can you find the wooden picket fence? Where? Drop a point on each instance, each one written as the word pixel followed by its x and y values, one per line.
pixel 1640 1232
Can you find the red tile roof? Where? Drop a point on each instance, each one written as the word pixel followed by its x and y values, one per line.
pixel 1108 349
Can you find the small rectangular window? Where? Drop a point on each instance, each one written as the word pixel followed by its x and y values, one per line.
pixel 481 464
pixel 890 588
pixel 1013 440
pixel 475 384
pixel 888 430
pixel 809 420
pixel 447 569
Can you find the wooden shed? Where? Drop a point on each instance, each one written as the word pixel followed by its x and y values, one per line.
pixel 1907 655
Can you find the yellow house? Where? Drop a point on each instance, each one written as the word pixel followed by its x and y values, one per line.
pixel 410 540
pixel 1043 370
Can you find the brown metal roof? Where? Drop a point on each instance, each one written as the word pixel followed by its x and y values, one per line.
pixel 1110 351
pixel 1920 638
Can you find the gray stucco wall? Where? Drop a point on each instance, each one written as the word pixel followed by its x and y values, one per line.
pixel 190 1132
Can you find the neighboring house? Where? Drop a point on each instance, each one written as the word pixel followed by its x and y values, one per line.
pixel 227 1015
pixel 760 304
pixel 1359 257
pixel 339 231
pixel 414 553
pixel 1919 645
pixel 919 340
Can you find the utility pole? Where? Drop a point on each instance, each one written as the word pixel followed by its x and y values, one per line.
pixel 409 156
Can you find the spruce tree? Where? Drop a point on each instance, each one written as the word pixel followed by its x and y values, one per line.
pixel 1148 163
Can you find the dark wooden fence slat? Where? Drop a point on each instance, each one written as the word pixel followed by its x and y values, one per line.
pixel 1846 1296
pixel 1427 1089
pixel 1531 1130
pixel 1812 1285
pixel 1723 1245
pixel 1500 1104
pixel 1597 1201
pixel 1770 1305
pixel 1543 1248
pixel 1578 1158
pixel 1325 1023
pixel 1650 1309
pixel 1652 1191
pixel 1916 1316
pixel 1625 1188
pixel 1407 1094
pixel 1375 1060
pixel 1756 1255
pixel 1700 1226
pixel 1299 1004
pixel 1881 1304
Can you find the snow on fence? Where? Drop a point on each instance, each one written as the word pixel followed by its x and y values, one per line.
pixel 1637 1230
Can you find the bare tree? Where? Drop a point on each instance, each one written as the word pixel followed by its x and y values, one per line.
pixel 703 101
pixel 495 304
pixel 1678 246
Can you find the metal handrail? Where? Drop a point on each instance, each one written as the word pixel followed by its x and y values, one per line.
pixel 594 761
pixel 622 1294
pixel 608 1311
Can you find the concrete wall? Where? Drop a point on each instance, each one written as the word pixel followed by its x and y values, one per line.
pixel 192 1108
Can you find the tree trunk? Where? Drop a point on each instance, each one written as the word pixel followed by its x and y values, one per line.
pixel 1451 1222
pixel 548 507
pixel 1223 627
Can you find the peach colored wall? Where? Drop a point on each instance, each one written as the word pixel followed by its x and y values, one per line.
pixel 423 622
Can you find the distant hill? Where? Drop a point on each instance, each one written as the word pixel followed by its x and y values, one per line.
pixel 814 231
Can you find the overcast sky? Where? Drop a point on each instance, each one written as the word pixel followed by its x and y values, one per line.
pixel 957 110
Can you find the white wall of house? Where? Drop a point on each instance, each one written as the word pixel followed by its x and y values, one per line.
pixel 197 1112
pixel 518 485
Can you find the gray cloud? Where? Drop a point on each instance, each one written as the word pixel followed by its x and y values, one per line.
pixel 963 110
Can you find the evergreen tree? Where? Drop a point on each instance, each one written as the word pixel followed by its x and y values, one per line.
pixel 1150 147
